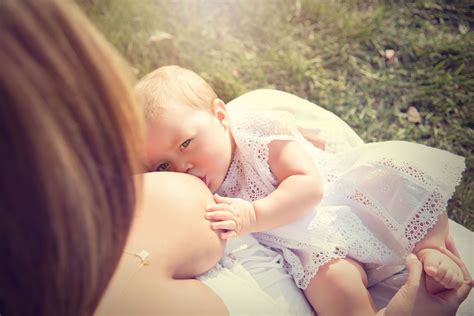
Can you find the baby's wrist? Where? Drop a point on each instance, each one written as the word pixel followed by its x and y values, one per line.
pixel 423 252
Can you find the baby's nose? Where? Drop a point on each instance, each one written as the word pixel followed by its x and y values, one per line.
pixel 186 167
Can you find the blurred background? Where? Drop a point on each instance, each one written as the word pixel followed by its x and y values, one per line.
pixel 390 69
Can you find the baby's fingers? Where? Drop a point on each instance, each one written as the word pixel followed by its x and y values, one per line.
pixel 218 207
pixel 219 216
pixel 224 225
pixel 447 278
pixel 222 199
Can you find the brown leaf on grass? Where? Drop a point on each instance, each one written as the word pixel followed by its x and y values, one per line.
pixel 413 115
pixel 391 56
pixel 159 37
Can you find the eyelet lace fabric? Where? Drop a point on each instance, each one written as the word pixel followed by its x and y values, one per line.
pixel 379 200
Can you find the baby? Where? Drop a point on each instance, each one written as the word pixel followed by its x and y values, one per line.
pixel 327 214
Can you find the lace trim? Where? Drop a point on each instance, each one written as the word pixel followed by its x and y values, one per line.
pixel 453 176
pixel 352 239
pixel 423 219
pixel 406 169
pixel 361 198
pixel 426 217
pixel 303 278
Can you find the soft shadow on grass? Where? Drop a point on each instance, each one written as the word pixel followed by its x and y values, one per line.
pixel 391 70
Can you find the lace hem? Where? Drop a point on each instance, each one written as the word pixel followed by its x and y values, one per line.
pixel 302 274
pixel 453 174
pixel 436 204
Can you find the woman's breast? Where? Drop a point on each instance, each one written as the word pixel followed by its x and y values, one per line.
pixel 172 216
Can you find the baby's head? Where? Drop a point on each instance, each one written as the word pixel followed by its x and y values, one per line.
pixel 171 86
pixel 187 127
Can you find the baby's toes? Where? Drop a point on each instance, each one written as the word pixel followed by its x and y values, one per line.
pixel 445 277
pixel 431 267
pixel 452 278
pixel 432 271
pixel 458 278
pixel 440 274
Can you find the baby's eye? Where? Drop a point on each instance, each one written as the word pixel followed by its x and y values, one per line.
pixel 186 143
pixel 162 167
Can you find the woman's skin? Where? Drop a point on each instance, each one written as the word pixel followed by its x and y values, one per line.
pixel 170 225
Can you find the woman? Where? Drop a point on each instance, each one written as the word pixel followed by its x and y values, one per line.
pixel 71 137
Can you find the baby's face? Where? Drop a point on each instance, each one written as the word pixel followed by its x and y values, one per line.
pixel 190 141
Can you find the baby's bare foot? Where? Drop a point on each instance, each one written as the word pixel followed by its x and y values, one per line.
pixel 441 268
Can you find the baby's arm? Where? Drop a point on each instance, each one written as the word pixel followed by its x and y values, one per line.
pixel 299 190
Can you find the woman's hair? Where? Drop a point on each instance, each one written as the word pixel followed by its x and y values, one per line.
pixel 70 139
pixel 169 85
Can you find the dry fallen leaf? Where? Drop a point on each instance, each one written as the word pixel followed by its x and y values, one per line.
pixel 389 53
pixel 159 37
pixel 413 115
pixel 391 56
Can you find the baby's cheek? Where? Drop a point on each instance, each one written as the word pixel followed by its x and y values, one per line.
pixel 152 151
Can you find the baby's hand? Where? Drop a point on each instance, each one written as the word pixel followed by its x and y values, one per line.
pixel 234 216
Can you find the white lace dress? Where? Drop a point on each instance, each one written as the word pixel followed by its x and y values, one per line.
pixel 379 198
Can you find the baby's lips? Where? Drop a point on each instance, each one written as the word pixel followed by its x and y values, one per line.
pixel 204 180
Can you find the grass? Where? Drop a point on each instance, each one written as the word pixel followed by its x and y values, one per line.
pixel 333 53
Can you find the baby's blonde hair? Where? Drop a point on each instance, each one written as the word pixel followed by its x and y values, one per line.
pixel 171 86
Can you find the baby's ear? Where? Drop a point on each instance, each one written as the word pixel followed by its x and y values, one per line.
pixel 220 112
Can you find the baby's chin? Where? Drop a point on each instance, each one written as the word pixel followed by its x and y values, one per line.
pixel 216 184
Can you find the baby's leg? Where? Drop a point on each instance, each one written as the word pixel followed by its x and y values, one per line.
pixel 443 272
pixel 339 288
